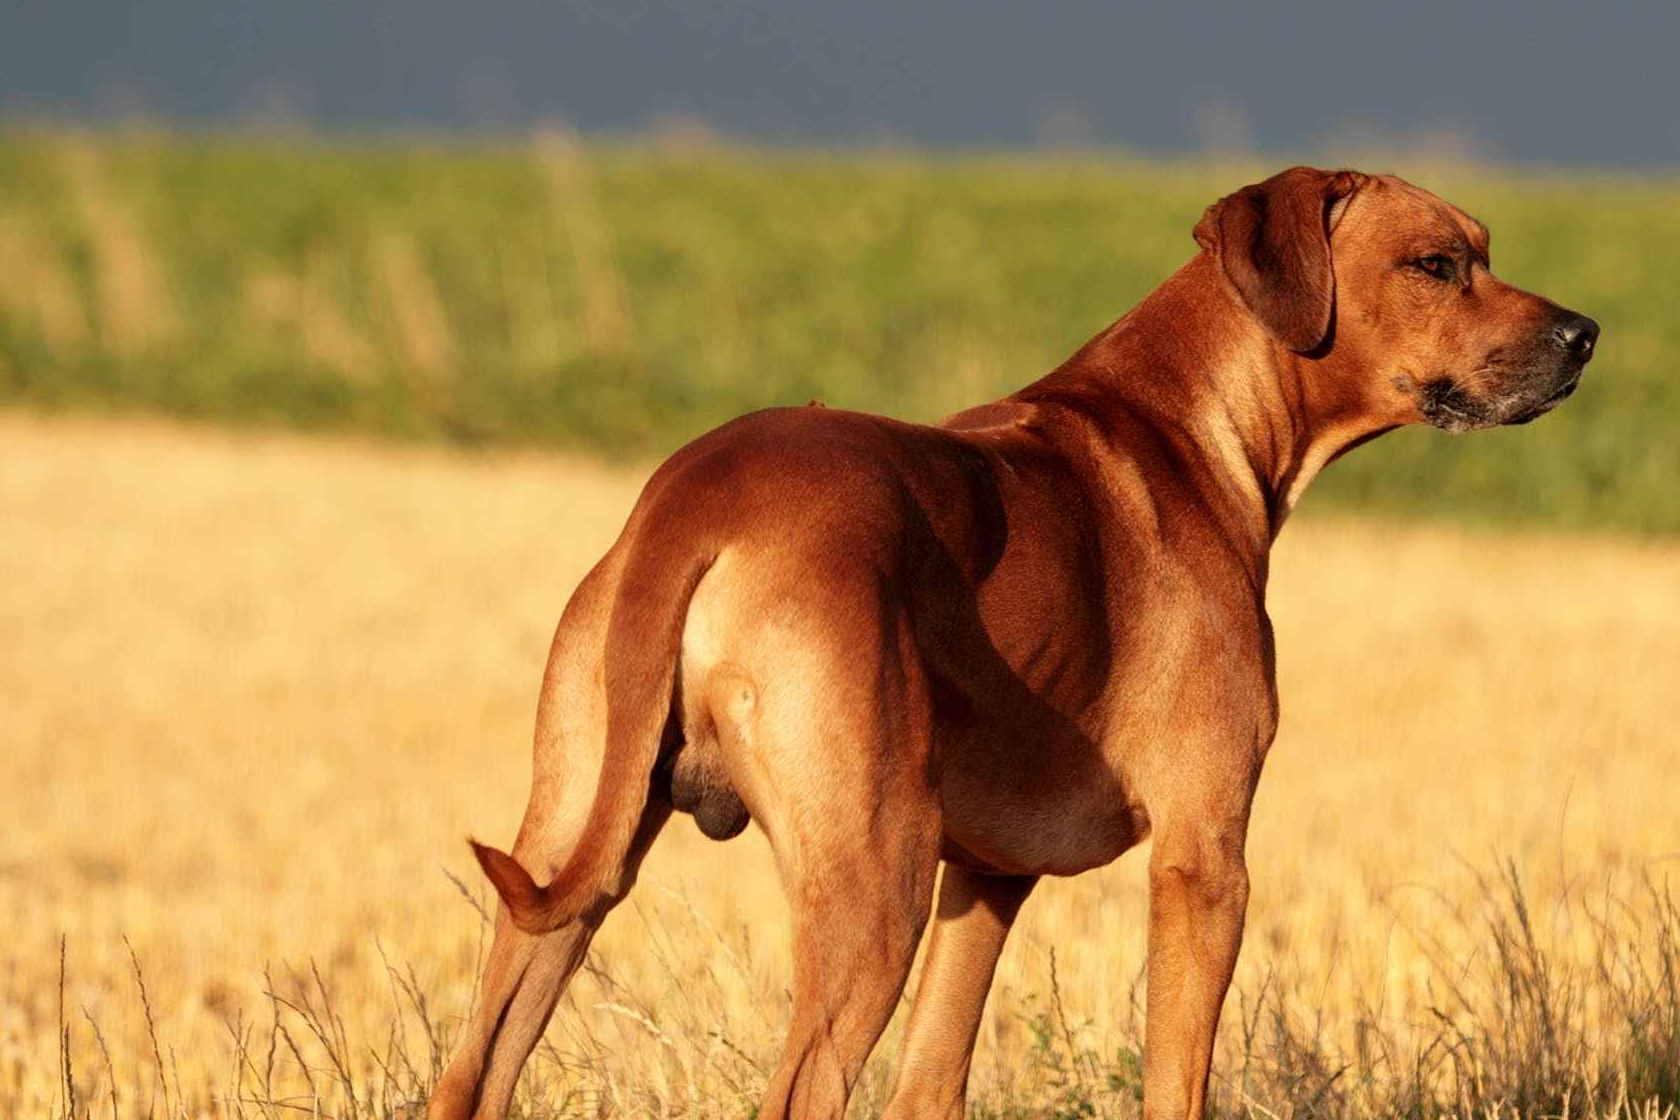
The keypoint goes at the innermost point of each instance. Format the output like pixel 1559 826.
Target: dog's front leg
pixel 1198 892
pixel 972 919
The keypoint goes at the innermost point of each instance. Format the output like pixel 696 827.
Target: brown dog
pixel 1018 642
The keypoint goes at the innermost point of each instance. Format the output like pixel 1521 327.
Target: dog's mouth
pixel 1449 406
pixel 1559 395
pixel 1445 403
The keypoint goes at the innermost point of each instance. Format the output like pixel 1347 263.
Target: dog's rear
pixel 644 638
pixel 606 714
pixel 654 693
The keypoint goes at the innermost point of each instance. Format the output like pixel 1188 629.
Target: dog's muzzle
pixel 1550 373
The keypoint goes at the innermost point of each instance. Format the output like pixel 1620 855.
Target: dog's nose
pixel 1578 334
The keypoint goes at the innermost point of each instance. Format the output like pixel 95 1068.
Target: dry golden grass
pixel 136 310
pixel 36 287
pixel 422 329
pixel 300 307
pixel 254 690
pixel 604 311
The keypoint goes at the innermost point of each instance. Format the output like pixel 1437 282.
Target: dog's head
pixel 1388 290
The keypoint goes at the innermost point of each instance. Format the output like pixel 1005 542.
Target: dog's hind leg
pixel 856 925
pixel 973 919
pixel 523 980
pixel 588 856
pixel 855 828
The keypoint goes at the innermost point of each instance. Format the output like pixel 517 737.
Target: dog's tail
pixel 643 648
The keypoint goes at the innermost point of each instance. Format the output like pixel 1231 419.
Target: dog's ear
pixel 1272 240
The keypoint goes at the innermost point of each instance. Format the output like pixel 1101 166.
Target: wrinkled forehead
pixel 1406 211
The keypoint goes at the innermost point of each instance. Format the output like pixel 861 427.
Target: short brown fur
pixel 1018 642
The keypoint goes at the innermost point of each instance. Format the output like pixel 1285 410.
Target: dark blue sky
pixel 1544 82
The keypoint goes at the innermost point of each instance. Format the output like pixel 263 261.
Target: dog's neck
pixel 1251 423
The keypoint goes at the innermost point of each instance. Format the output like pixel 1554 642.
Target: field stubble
pixel 257 688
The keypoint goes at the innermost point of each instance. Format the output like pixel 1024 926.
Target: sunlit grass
pixel 255 689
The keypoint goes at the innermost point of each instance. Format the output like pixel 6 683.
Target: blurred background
pixel 610 227
pixel 336 340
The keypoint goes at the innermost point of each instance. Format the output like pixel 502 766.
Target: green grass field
pixel 626 299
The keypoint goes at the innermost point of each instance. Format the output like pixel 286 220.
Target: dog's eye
pixel 1438 266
